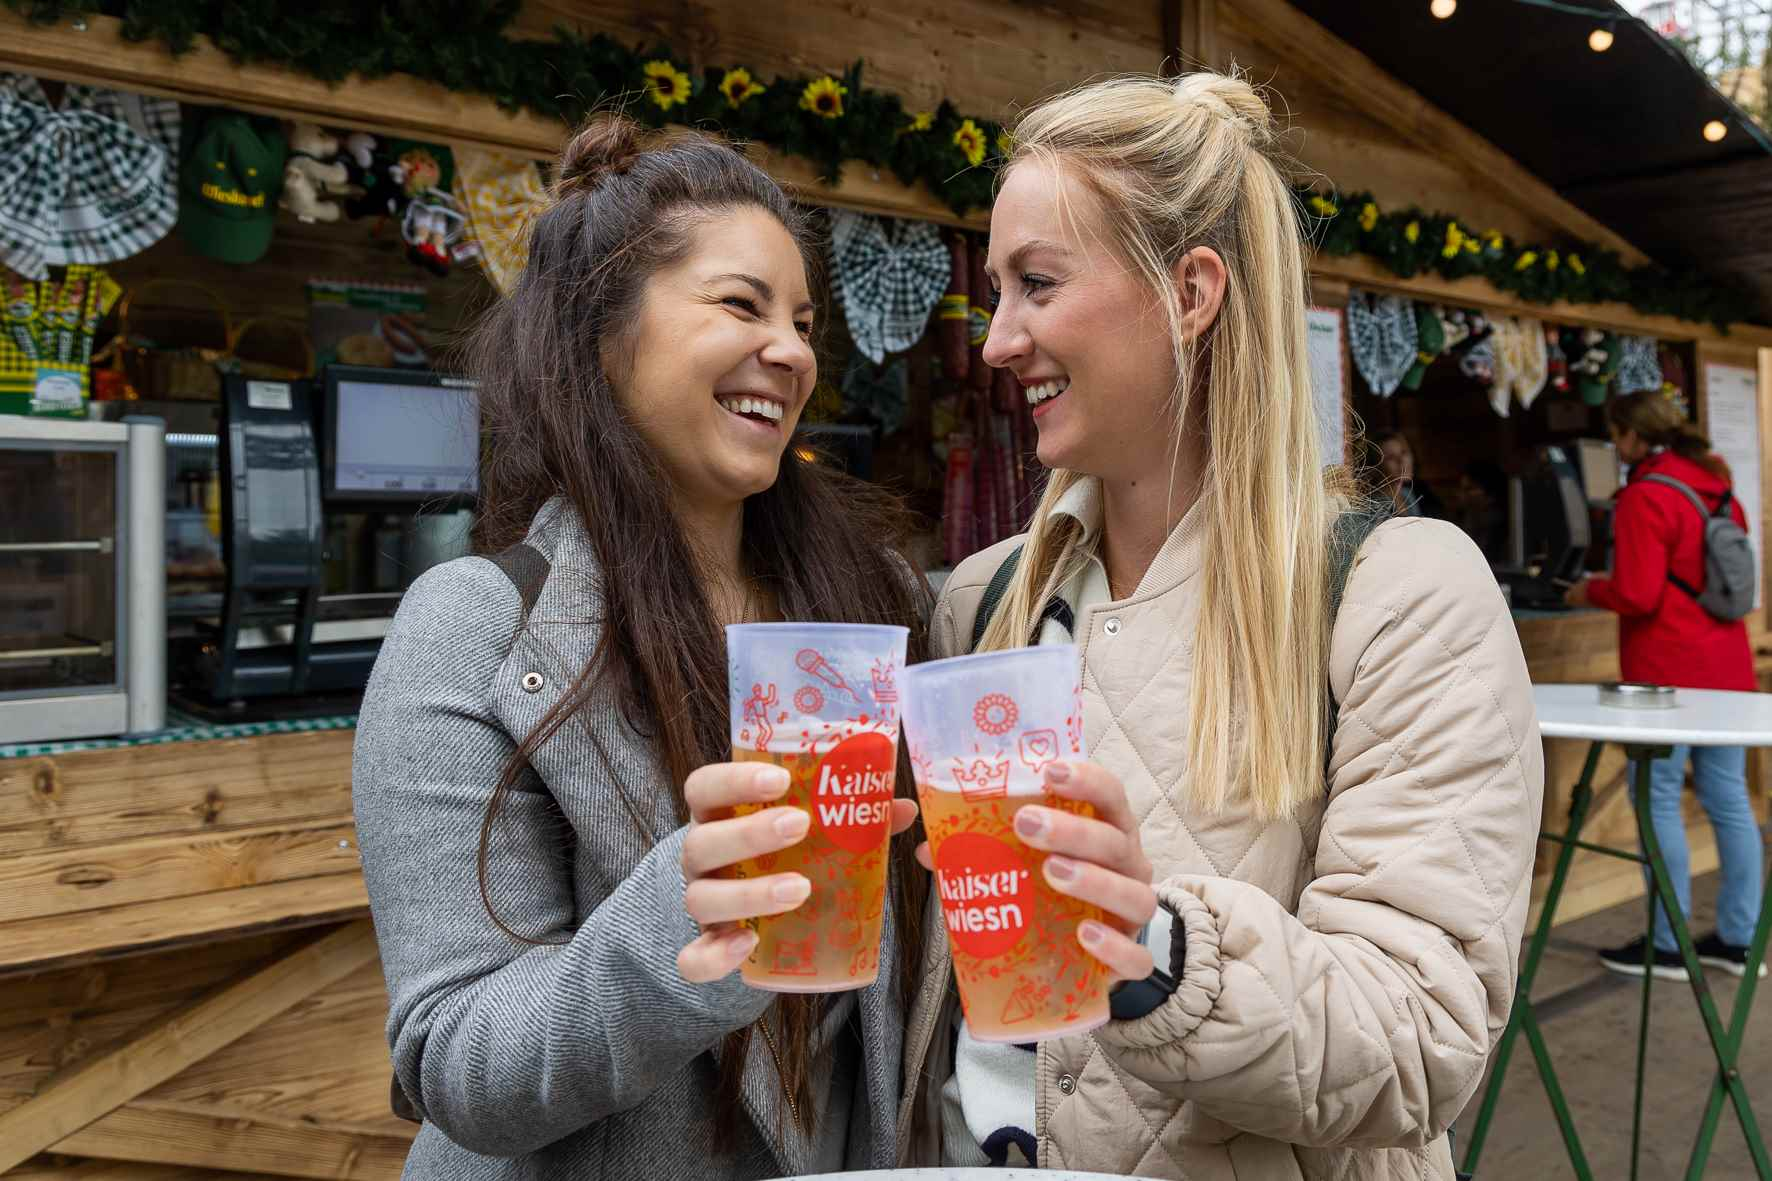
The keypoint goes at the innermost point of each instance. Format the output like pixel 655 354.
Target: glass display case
pixel 82 578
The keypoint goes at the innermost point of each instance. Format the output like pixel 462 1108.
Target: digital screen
pixel 406 440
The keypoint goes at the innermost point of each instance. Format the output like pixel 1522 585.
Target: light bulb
pixel 1443 8
pixel 1715 130
pixel 1600 40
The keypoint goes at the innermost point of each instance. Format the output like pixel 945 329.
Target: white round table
pixel 1699 717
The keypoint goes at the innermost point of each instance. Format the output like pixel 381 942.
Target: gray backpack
pixel 1728 592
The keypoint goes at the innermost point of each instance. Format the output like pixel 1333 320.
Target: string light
pixel 1715 130
pixel 1600 40
pixel 1443 8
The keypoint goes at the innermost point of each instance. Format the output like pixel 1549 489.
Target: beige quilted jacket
pixel 1347 969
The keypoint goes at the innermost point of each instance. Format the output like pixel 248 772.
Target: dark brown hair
pixel 821 546
pixel 1659 422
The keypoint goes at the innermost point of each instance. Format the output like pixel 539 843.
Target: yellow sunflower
pixel 1525 260
pixel 667 85
pixel 824 97
pixel 1576 265
pixel 1323 206
pixel 1551 261
pixel 1455 240
pixel 970 140
pixel 1412 231
pixel 1368 216
pixel 738 86
pixel 921 121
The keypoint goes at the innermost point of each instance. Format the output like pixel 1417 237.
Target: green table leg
pixel 1721 1043
pixel 1641 759
pixel 1744 1001
pixel 1522 1017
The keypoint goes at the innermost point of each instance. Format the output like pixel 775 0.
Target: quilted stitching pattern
pixel 1331 1054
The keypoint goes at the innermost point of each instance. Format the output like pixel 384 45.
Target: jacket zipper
pixel 780 1073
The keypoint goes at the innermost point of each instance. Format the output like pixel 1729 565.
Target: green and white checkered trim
pixel 182 728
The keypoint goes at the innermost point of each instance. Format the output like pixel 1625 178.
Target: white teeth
pixel 1049 389
pixel 762 407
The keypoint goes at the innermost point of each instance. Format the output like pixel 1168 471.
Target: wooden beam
pixel 1190 35
pixel 133 1133
pixel 71 1101
pixel 1477 292
pixel 65 882
pixel 97 797
pixel 50 1168
pixel 1302 42
pixel 399 105
pixel 36 945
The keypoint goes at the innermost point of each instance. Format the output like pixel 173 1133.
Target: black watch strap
pixel 1132 999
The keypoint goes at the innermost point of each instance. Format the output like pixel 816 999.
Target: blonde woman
pixel 1335 802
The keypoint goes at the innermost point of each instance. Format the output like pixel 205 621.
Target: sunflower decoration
pixel 970 140
pixel 1322 206
pixel 666 84
pixel 739 87
pixel 824 97
pixel 1368 216
pixel 921 121
pixel 1005 144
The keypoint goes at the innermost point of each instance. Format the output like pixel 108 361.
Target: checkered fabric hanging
pixel 889 275
pixel 501 194
pixel 92 181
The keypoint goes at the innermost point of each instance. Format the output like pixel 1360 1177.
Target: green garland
pixel 1409 242
pixel 826 119
pixel 465 47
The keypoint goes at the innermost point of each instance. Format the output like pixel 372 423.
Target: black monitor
pixel 1550 521
pixel 400 436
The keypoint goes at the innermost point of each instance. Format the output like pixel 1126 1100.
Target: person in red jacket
pixel 1666 638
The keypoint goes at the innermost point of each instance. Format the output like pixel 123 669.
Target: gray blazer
pixel 590 1058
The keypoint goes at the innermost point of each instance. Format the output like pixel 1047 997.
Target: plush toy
pixel 301 196
pixel 431 225
pixel 313 178
pixel 359 149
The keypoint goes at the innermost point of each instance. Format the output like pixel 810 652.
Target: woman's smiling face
pixel 1084 335
pixel 719 362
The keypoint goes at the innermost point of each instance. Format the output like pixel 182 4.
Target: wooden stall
pixel 188 980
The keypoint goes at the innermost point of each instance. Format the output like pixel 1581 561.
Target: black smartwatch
pixel 1131 999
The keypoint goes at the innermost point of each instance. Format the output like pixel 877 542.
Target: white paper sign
pixel 268 395
pixel 1323 347
pixel 1733 400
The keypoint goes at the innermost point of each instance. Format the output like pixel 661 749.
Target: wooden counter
pixel 188 980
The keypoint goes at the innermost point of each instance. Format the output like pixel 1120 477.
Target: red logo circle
pixel 987 894
pixel 852 796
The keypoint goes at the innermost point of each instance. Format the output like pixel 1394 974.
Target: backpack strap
pixel 993 596
pixel 1704 515
pixel 527 569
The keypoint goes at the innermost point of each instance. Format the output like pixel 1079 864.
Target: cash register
pixel 335 494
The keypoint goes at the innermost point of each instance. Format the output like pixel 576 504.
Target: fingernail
pixel 791 891
pixel 1090 934
pixel 1058 773
pixel 773 780
pixel 1061 869
pixel 792 824
pixel 1031 822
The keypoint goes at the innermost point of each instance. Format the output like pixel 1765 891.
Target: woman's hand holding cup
pixel 717 840
pixel 1097 860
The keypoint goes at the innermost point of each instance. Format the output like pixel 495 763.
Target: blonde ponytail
pixel 1174 165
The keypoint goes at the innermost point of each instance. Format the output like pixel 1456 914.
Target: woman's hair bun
pixel 607 145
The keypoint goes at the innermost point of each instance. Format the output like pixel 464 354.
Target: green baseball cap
pixel 1430 342
pixel 229 184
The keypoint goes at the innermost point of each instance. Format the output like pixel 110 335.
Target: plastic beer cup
pixel 981 730
pixel 822 701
